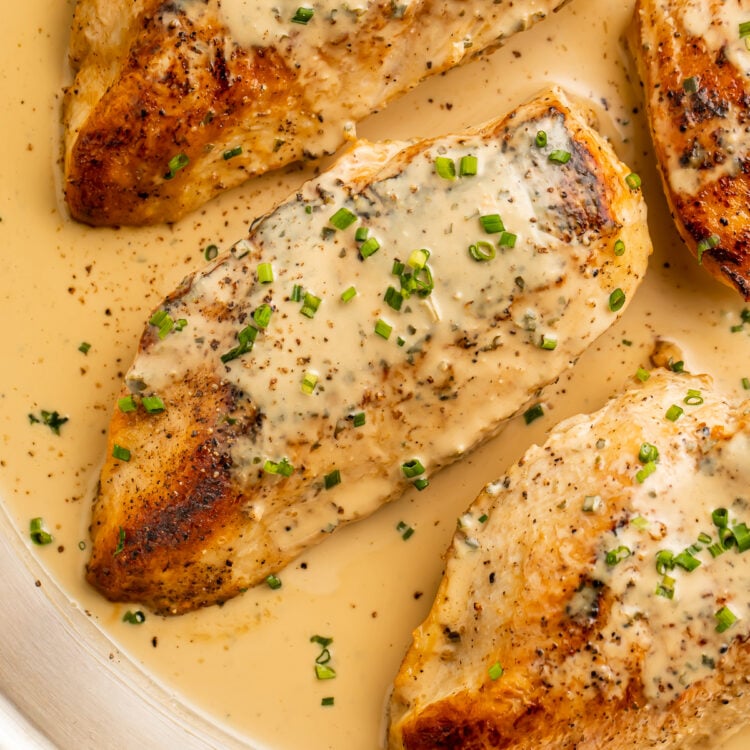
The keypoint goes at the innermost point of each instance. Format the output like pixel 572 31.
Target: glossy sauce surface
pixel 250 665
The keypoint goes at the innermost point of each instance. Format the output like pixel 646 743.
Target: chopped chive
pixel 725 618
pixel 327 701
pixel 246 337
pixel 619 247
pixel 52 419
pixel 687 561
pixel 265 273
pixel 693 398
pixel 665 587
pixel 296 295
pixel 708 243
pixel 533 413
pixel 360 234
pixel 405 530
pixel 310 305
pixel 421 483
pixel 468 166
pixel 746 383
pixel 664 561
pixel 482 251
pixel 412 468
pixel 418 258
pixel 230 153
pixel 383 329
pixel 617 555
pixel 648 452
pixel 120 453
pixel 648 469
pixel 541 139
pixel 368 247
pixel 720 517
pixel 262 316
pixel 744 29
pixel 348 294
pixel 273 582
pixel 559 156
pixel 445 167
pixel 153 404
pixel 309 381
pixel 332 479
pixel 642 374
pixel 495 671
pixel 175 164
pixel 38 533
pixel 283 467
pixel 358 419
pixel 674 413
pixel 616 300
pixel 126 404
pixel 324 672
pixel 120 546
pixel 84 347
pixel 343 218
pixel 741 536
pixel 548 342
pixel 302 15
pixel 507 239
pixel 492 223
pixel 633 181
pixel 210 252
pixel 134 618
pixel 393 298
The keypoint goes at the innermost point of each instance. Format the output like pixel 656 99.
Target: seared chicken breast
pixel 175 101
pixel 596 596
pixel 693 59
pixel 373 328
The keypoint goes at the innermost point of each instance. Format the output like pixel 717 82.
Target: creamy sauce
pixel 64 284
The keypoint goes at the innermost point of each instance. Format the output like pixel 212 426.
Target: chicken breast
pixel 693 59
pixel 175 101
pixel 373 328
pixel 597 595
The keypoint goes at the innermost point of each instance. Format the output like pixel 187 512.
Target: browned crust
pixel 690 124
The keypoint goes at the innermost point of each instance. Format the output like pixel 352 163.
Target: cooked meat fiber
pixel 176 101
pixel 596 596
pixel 373 328
pixel 693 61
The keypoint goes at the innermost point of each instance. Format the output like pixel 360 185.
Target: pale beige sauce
pixel 60 280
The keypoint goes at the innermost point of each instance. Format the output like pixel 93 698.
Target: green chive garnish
pixel 693 398
pixel 175 164
pixel 246 338
pixel 468 166
pixel 343 218
pixel 120 453
pixel 617 555
pixel 327 701
pixel 262 316
pixel 674 413
pixel 283 467
pixel 383 329
pixel 548 342
pixel 445 167
pixel 358 419
pixel 210 252
pixel 310 305
pixel 265 273
pixel 507 239
pixel 495 671
pixel 303 15
pixel 332 479
pixel 134 618
pixel 126 404
pixel 232 152
pixel 405 530
pixel 368 247
pixel 273 582
pixel 533 413
pixel 492 223
pixel 648 452
pixel 348 294
pixel 725 618
pixel 412 468
pixel 646 471
pixel 152 404
pixel 616 300
pixel 38 533
pixel 541 139
pixel 633 181
pixel 84 347
pixel 482 251
pixel 619 247
pixel 309 381
pixel 642 374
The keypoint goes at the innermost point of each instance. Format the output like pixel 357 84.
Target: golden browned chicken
pixel 693 60
pixel 373 328
pixel 175 101
pixel 597 596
